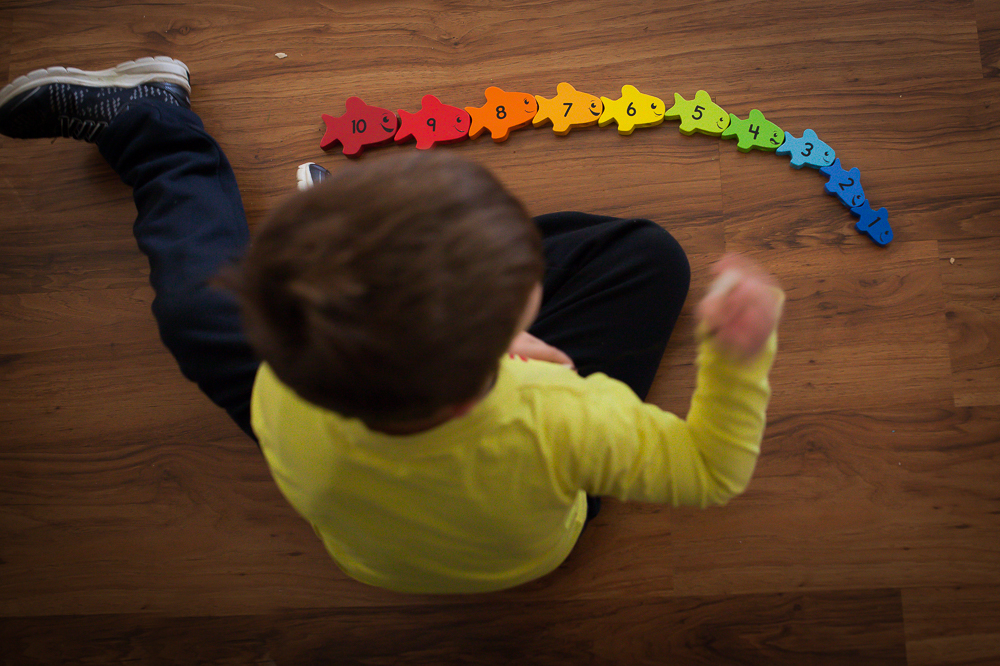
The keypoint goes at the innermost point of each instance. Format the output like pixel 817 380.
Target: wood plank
pixel 973 316
pixel 137 523
pixel 952 625
pixel 855 498
pixel 988 28
pixel 862 627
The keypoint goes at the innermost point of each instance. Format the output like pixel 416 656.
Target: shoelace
pixel 86 130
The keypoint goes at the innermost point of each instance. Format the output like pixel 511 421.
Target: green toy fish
pixel 754 132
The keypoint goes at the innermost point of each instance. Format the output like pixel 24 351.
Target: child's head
pixel 391 290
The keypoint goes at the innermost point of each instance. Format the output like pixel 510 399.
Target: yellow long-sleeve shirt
pixel 497 497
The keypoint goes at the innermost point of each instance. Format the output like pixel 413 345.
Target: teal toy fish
pixel 807 151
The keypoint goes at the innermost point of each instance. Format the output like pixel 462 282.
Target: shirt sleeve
pixel 618 446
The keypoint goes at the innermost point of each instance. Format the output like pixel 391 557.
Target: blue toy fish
pixel 845 185
pixel 807 151
pixel 874 223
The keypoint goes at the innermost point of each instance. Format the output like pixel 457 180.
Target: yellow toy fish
pixel 568 109
pixel 634 109
pixel 700 114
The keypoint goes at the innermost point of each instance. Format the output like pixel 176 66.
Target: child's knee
pixel 661 255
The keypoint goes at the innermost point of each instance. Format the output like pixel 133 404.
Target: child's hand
pixel 742 307
pixel 526 345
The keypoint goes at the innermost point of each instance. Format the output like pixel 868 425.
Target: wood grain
pixel 137 524
pixel 973 317
pixel 988 28
pixel 952 625
pixel 815 628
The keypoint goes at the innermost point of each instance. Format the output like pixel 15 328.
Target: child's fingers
pixel 745 265
pixel 730 293
pixel 714 301
pixel 528 346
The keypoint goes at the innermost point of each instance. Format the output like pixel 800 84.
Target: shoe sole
pixel 161 69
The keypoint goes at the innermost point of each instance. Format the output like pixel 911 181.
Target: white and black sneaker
pixel 70 102
pixel 309 174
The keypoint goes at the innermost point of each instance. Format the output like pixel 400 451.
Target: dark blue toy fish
pixel 846 185
pixel 874 223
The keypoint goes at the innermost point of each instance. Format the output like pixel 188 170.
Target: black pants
pixel 613 288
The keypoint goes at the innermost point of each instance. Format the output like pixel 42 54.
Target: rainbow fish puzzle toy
pixel 363 126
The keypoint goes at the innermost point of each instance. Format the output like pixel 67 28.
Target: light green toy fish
pixel 634 109
pixel 698 115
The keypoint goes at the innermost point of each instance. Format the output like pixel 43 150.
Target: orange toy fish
pixel 503 112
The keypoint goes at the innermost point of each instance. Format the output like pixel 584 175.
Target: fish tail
pixel 476 125
pixel 673 112
pixel 608 114
pixel 331 134
pixel 542 115
pixel 405 130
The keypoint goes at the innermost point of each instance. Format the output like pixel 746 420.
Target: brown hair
pixel 392 289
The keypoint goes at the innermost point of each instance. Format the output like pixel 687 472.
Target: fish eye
pixel 653 106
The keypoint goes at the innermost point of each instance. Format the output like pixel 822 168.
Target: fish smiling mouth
pixel 774 141
pixel 387 129
pixel 595 113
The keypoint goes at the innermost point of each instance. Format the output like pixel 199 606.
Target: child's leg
pixel 613 291
pixel 190 222
pixel 190 219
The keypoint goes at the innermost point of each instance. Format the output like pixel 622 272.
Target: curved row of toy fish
pixel 363 125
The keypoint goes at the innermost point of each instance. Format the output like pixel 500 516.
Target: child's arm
pixel 631 450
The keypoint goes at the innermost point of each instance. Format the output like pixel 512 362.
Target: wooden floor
pixel 137 525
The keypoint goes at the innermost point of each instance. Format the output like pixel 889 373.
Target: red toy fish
pixel 361 126
pixel 434 123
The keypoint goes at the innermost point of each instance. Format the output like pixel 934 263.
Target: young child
pixel 447 385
